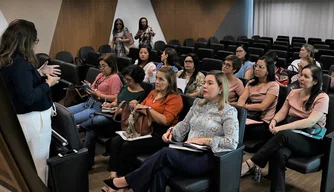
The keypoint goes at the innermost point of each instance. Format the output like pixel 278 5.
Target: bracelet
pixel 209 140
pixel 274 120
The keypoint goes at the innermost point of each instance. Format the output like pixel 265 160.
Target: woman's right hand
pixel 272 124
pixel 86 82
pixel 150 72
pixel 106 105
pixel 51 80
pixel 167 137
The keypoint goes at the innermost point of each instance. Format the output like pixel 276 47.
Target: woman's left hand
pixel 199 141
pixel 140 106
pixel 92 92
pixel 275 130
pixel 118 40
pixel 52 70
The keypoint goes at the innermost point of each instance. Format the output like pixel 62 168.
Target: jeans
pixel 83 111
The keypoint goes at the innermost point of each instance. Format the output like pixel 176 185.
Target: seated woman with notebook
pixel 164 104
pixel 210 121
pixel 305 107
pixel 98 125
pixel 194 78
pixel 260 99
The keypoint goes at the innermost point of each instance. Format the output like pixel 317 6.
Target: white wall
pixel 130 11
pixel 3 23
pixel 43 13
pixel 305 18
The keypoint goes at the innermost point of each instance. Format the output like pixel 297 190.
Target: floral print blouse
pixel 208 121
pixel 196 85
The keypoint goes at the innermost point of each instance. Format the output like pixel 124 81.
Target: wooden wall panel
pixel 181 19
pixel 83 23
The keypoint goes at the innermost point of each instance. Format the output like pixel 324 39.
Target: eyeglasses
pixel 36 41
pixel 188 61
pixel 227 66
pixel 239 51
pixel 261 67
pixel 128 79
pixel 103 66
pixel 118 23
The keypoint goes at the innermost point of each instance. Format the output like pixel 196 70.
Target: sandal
pixel 257 174
pixel 105 188
pixel 250 170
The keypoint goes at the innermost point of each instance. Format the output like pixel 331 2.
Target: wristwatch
pixel 149 108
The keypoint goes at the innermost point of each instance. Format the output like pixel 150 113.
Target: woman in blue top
pixel 246 71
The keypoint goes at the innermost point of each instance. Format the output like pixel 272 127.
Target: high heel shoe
pixel 250 170
pixel 110 183
pixel 257 174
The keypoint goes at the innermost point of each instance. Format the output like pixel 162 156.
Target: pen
pixel 105 99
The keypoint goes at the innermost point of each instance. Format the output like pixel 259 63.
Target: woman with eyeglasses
pixel 121 36
pixel 144 33
pixel 194 78
pixel 260 99
pixel 105 87
pixel 303 108
pixel 145 61
pixel 232 65
pixel 246 70
pixel 210 121
pixel 98 125
pixel 29 93
pixel 306 50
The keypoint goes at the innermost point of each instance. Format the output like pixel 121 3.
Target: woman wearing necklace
pixel 106 86
pixel 145 62
pixel 165 104
pixel 260 98
pixel 194 78
pixel 304 107
pixel 121 35
pixel 232 65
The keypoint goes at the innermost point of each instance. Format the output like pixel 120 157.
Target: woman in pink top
pixel 308 104
pixel 106 86
pixel 260 97
pixel 232 65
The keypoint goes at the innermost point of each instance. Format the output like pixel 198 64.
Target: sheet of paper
pixel 181 84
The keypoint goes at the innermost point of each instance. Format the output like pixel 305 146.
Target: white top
pixel 148 66
pixel 294 65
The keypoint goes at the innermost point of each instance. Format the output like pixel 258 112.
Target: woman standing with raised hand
pixel 30 94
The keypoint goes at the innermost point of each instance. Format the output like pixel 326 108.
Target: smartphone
pixel 67 153
pixel 86 86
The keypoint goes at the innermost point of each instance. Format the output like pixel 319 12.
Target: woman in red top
pixel 165 104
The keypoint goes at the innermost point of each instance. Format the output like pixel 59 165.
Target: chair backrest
pixel 105 49
pixel 159 45
pixel 330 115
pixel 92 58
pixel 223 54
pixel 242 115
pixel 186 50
pixel 65 56
pixel 216 46
pixel 190 42
pixel 92 74
pixel 123 62
pixel 213 40
pixel 280 53
pixel 64 124
pixel 283 93
pixel 280 47
pixel 229 38
pixel 204 53
pixel 83 52
pixel 253 57
pixel 202 40
pixel 241 37
pixel 200 45
pixel 209 64
pixel 327 61
pixel 256 51
pixel 69 71
pixel 42 58
pixel 326 82
pixel 244 81
pixel 148 87
pixel 321 46
pixel 187 103
pixel 174 42
pixel 231 48
pixel 155 56
pixel 286 43
pixel 134 53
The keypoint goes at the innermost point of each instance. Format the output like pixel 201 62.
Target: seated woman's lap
pixel 257 132
pixel 101 123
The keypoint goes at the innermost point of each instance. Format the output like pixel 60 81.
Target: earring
pixel 219 93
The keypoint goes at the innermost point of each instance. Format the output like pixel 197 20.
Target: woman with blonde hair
pixel 210 121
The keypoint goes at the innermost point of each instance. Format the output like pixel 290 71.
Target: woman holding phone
pixel 145 33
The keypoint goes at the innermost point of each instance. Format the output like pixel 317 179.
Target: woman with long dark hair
pixel 145 33
pixel 30 94
pixel 121 36
pixel 303 108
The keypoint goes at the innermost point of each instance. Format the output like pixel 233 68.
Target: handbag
pixel 254 115
pixel 134 122
pixel 315 132
pixel 127 46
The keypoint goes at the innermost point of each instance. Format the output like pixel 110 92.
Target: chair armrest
pixel 328 164
pixel 228 170
pixel 66 82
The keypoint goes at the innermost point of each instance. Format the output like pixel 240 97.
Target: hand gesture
pixel 92 92
pixel 52 70
pixel 51 80
pixel 272 124
pixel 167 137
pixel 150 72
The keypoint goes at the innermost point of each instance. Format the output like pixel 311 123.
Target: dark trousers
pixel 98 126
pixel 154 173
pixel 257 132
pixel 123 153
pixel 278 150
